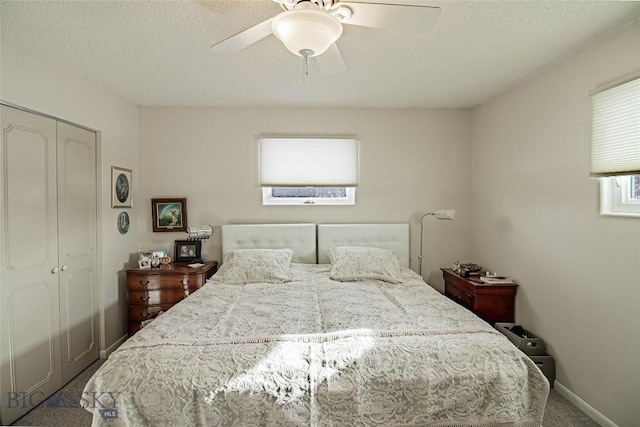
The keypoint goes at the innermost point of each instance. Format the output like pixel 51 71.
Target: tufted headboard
pixel 299 237
pixel 388 236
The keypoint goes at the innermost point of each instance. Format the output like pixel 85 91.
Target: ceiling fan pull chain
pixel 305 65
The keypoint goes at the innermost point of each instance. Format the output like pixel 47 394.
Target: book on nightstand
pixel 497 280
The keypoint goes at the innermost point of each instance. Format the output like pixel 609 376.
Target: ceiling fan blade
pixel 331 62
pixel 245 38
pixel 412 19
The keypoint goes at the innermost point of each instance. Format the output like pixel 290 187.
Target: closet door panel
pixel 78 319
pixel 33 358
pixel 29 286
pixel 30 194
pixel 77 248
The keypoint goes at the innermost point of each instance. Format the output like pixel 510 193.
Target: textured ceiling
pixel 158 52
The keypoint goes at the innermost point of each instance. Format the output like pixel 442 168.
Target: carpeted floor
pixel 61 409
pixel 562 413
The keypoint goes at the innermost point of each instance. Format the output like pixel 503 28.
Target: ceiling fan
pixel 310 28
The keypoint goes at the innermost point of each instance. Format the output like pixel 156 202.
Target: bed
pixel 276 339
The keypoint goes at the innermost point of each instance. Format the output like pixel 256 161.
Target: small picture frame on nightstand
pixel 187 250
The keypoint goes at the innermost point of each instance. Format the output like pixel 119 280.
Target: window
pixel 308 196
pixel 615 147
pixel 620 195
pixel 308 171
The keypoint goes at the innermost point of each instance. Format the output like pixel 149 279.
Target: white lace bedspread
pixel 314 352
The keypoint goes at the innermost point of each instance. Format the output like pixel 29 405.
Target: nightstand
pixel 158 289
pixel 493 303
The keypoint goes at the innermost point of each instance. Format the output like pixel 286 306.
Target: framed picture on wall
pixel 169 214
pixel 121 196
pixel 123 222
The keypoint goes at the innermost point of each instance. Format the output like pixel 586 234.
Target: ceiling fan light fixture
pixel 306 29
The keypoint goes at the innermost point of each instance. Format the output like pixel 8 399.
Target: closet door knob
pixel 54 270
pixel 63 268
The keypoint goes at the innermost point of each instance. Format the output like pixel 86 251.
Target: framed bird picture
pixel 169 214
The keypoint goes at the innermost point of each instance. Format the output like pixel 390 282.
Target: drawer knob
pixel 144 315
pixel 145 298
pixel 144 282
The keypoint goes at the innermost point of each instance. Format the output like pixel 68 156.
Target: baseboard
pixel 592 412
pixel 105 353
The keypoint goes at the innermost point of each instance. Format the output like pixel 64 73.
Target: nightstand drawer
pixel 458 295
pixel 139 314
pixel 164 296
pixel 150 282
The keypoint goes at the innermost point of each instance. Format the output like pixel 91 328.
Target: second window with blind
pixel 308 170
pixel 615 147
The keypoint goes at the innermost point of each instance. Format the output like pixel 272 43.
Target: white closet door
pixel 77 248
pixel 29 294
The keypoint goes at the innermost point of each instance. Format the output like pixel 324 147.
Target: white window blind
pixel 615 133
pixel 317 162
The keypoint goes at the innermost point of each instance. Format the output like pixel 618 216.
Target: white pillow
pixel 255 266
pixel 354 263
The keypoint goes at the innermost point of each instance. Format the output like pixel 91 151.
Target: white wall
pixel 412 161
pixel 34 83
pixel 535 216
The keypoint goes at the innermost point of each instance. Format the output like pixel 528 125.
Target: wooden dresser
pixel 158 289
pixel 493 303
